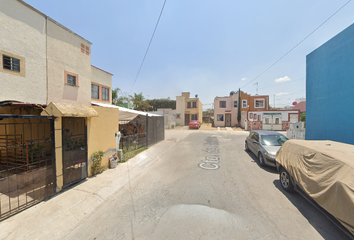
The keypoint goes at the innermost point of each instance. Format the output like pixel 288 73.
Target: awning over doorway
pixel 125 114
pixel 69 110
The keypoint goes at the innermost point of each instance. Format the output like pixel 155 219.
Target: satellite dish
pixel 196 95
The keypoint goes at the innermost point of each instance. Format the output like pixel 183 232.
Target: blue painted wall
pixel 330 90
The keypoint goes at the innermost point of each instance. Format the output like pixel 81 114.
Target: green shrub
pixel 96 162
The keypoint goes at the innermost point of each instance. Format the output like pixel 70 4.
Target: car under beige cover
pixel 325 171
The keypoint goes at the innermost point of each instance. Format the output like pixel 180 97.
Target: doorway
pixel 227 120
pixel 74 149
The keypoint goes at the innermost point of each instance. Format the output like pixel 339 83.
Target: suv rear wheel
pixel 285 181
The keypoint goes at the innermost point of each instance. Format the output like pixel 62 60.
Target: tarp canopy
pixel 125 114
pixel 69 110
pixel 325 171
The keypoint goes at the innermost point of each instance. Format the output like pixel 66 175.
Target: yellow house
pixel 188 109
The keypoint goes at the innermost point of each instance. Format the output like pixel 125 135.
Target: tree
pixel 118 97
pixel 139 102
pixel 239 107
pixel 115 95
pixel 303 117
pixel 162 103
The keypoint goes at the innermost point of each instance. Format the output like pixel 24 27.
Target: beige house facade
pixel 48 86
pixel 188 109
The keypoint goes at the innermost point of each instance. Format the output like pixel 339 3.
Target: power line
pixel 147 50
pixel 297 44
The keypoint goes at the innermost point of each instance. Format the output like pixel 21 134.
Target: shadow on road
pixel 255 160
pixel 319 222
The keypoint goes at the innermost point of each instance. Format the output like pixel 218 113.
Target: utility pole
pixel 274 101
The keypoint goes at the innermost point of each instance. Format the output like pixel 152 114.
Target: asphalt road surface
pixel 206 187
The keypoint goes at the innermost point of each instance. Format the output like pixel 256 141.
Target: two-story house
pixel 226 108
pixel 188 109
pixel 48 126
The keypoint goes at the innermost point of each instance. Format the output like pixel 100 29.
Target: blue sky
pixel 204 47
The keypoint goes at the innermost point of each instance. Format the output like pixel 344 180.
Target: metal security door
pixel 74 150
pixel 186 119
pixel 227 120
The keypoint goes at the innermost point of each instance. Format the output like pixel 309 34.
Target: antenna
pixel 256 88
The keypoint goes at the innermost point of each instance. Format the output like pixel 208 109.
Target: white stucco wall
pixel 64 54
pixel 23 36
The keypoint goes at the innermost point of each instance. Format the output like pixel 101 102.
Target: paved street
pixel 178 198
pixel 194 185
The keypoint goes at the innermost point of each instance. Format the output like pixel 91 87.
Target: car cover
pixel 325 171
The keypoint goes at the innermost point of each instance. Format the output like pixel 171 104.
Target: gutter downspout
pixel 46 57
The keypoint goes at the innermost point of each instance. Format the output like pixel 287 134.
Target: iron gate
pixel 27 169
pixel 74 150
pixel 140 132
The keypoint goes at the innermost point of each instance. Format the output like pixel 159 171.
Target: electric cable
pixel 147 50
pixel 297 44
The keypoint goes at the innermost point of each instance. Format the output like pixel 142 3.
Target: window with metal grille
pixel 105 94
pixel 11 63
pixel 95 91
pixel 235 103
pixel 244 103
pixel 222 104
pixel 220 117
pixel 194 117
pixel 71 80
pixel 188 104
pixel 259 103
pixel 194 105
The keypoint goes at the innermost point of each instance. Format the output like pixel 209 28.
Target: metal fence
pixel 140 132
pixel 26 162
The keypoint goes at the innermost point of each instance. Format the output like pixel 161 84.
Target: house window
pixel 266 120
pixel 71 80
pixel 222 104
pixel 188 104
pixel 259 117
pixel 244 103
pixel 194 116
pixel 194 106
pixel 105 94
pixel 178 115
pixel 11 63
pixel 235 104
pixel 277 121
pixel 220 117
pixel 95 91
pixel 255 117
pixel 251 115
pixel 259 103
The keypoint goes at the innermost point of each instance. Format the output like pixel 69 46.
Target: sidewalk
pixel 56 217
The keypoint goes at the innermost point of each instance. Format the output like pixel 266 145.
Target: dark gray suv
pixel 265 144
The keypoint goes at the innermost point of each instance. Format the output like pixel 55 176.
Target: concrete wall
pixel 102 79
pixel 23 36
pixel 180 109
pixel 66 55
pixel 101 134
pixel 329 89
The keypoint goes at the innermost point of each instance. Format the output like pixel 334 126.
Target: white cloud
pixel 284 79
pixel 281 94
pixel 243 79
